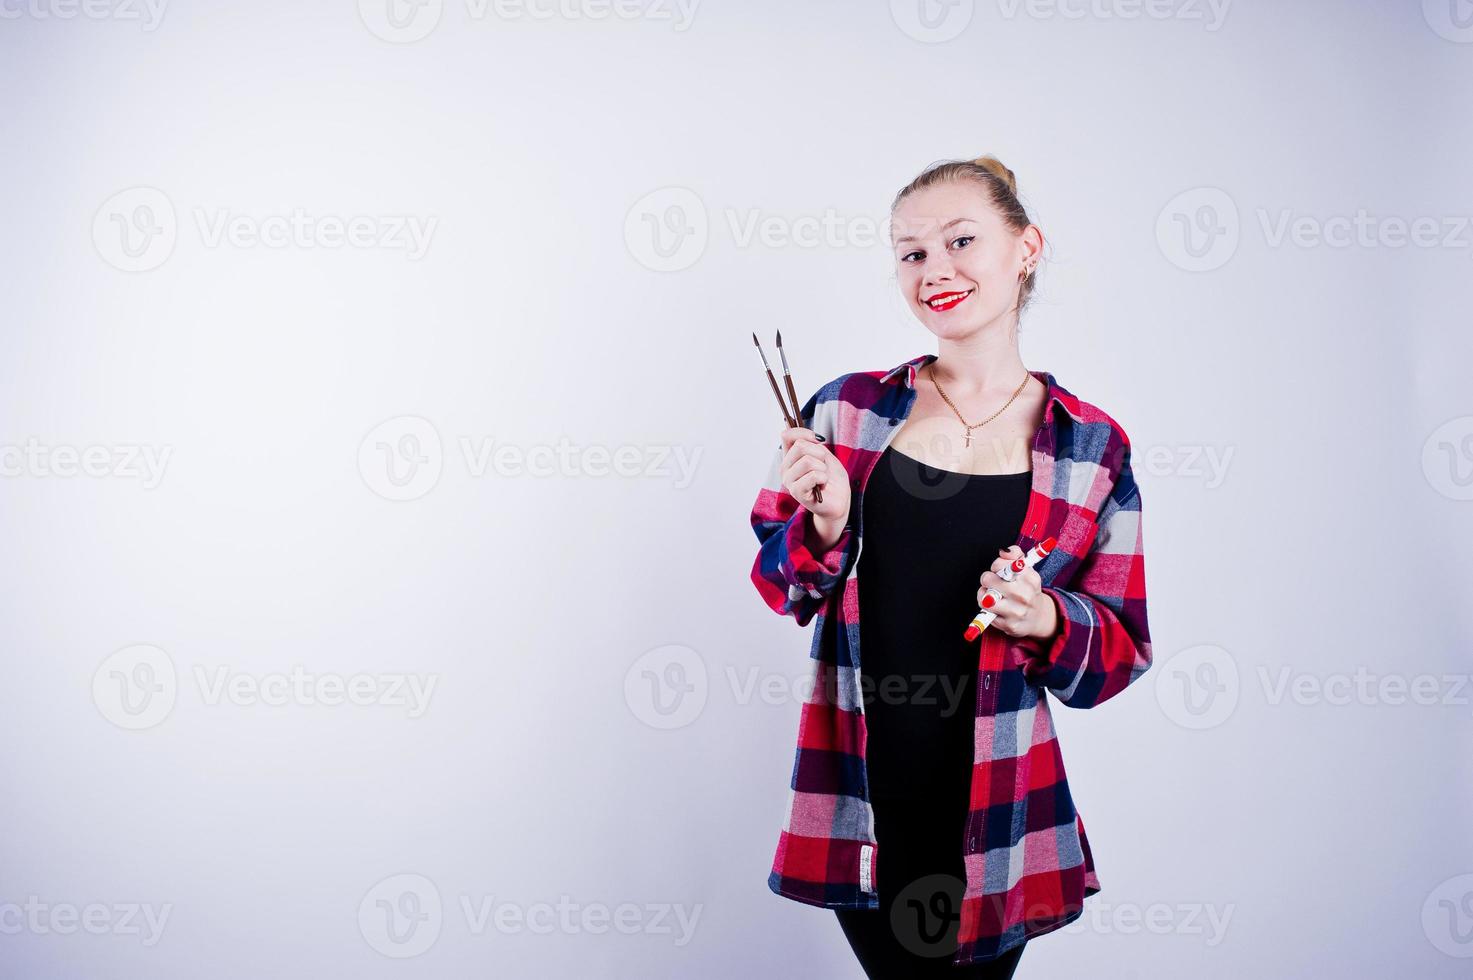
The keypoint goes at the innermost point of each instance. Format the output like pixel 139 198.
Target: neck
pixel 978 365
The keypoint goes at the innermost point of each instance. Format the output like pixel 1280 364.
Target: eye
pixel 905 257
pixel 964 238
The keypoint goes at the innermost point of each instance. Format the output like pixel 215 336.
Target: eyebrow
pixel 953 221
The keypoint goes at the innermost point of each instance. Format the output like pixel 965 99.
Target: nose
pixel 938 269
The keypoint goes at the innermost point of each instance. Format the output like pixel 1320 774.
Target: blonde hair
pixel 1001 187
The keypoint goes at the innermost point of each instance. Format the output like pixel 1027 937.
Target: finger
pixel 795 433
pixel 806 479
pixel 1003 567
pixel 1011 602
pixel 803 447
pixel 1010 614
pixel 799 433
pixel 806 471
pixel 1005 590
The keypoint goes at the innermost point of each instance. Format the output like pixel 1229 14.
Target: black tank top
pixel 928 536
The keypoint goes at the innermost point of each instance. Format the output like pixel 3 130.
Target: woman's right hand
pixel 807 463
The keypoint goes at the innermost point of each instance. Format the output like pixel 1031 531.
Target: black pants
pixel 913 933
pixel 885 957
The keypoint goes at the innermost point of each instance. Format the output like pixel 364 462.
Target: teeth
pixel 947 299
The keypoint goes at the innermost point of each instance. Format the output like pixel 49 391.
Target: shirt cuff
pixel 816 574
pixel 1042 654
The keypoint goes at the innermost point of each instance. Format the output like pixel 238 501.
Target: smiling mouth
pixel 945 301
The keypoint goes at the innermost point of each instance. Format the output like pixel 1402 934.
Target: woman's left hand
pixel 1023 610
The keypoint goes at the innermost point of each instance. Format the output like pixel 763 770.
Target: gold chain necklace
pixel 975 425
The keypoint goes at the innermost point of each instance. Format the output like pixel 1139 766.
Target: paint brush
pixel 788 418
pixel 795 418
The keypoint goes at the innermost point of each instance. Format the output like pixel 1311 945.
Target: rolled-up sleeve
pixel 792 578
pixel 1103 642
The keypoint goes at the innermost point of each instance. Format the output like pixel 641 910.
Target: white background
pixel 1328 380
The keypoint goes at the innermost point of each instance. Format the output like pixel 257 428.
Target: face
pixel 956 261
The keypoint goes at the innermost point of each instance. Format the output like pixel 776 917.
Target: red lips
pixel 952 298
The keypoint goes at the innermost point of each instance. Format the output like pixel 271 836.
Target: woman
pixel 928 805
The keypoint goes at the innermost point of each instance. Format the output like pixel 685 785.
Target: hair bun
pixel 993 164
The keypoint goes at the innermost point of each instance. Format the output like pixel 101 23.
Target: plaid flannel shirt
pixel 1027 860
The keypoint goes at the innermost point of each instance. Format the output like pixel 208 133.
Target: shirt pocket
pixel 1075 537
